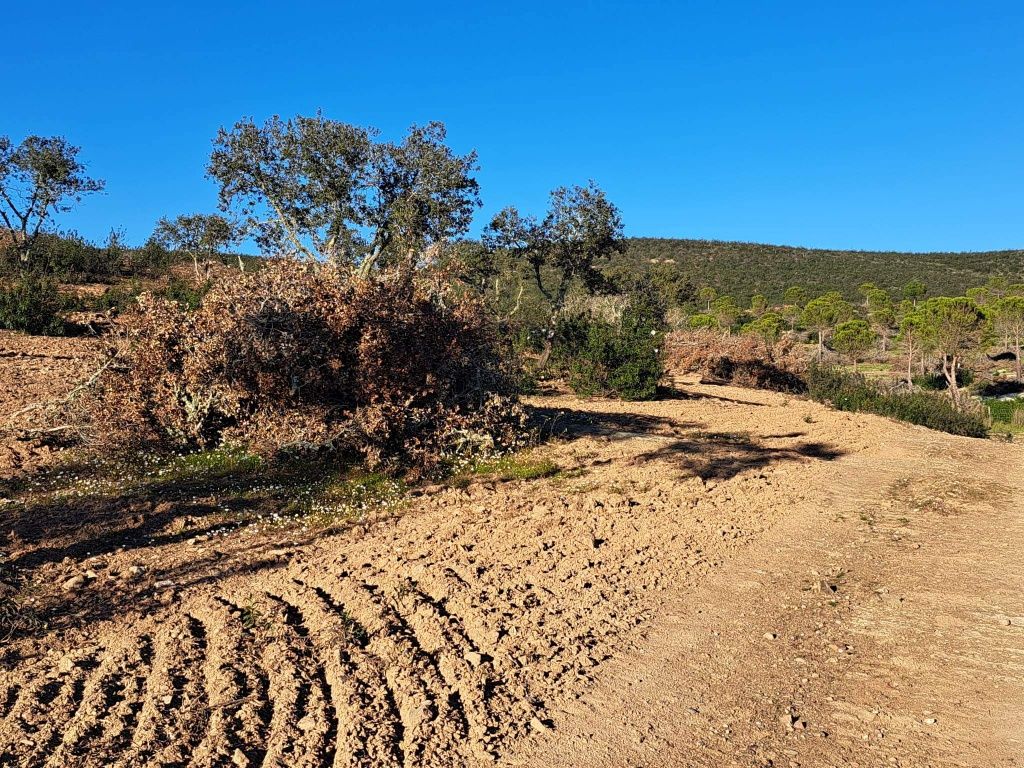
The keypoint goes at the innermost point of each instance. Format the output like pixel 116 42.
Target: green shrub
pixel 186 293
pixel 119 297
pixel 124 295
pixel 768 326
pixel 936 382
pixel 623 359
pixel 71 257
pixel 152 258
pixel 31 303
pixel 693 322
pixel 852 392
pixel 1003 410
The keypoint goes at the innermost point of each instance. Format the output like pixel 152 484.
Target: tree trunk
pixel 821 344
pixel 949 366
pixel 542 363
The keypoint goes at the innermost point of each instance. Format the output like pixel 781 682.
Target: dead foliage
pixel 746 360
pixel 303 357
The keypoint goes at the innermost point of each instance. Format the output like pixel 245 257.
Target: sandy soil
pixel 726 577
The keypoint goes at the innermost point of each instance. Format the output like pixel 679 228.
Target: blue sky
pixel 895 125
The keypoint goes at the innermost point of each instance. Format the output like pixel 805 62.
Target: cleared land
pixel 727 577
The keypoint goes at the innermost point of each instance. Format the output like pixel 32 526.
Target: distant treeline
pixel 745 269
pixel 70 257
pixel 740 270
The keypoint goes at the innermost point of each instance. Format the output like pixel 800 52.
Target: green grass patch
pixel 213 463
pixel 513 467
pixel 345 499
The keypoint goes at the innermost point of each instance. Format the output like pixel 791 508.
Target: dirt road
pixel 724 578
pixel 879 623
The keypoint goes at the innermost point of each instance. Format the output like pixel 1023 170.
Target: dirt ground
pixel 724 577
pixel 33 371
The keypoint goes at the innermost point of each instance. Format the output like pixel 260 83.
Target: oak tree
pixel 39 178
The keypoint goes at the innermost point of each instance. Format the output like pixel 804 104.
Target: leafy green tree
pixel 822 314
pixel 979 295
pixel 758 305
pixel 418 193
pixel 914 291
pixel 725 311
pixel 672 284
pixel 768 326
pixel 913 337
pixel 707 294
pixel 793 303
pixel 200 235
pixel 39 178
pixel 853 338
pixel 795 295
pixel 581 228
pixel 881 315
pixel 956 326
pixel 865 290
pixel 1009 321
pixel 319 188
pixel 472 264
pixel 696 322
pixel 997 287
pixel 877 298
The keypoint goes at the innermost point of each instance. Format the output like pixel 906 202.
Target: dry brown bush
pixel 308 357
pixel 746 360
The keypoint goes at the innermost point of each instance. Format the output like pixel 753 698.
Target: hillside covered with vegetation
pixel 743 270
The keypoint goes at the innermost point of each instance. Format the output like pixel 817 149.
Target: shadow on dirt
pixel 572 423
pixel 720 456
pixel 675 393
pixel 109 596
pixel 147 514
pixel 49 537
pixel 684 445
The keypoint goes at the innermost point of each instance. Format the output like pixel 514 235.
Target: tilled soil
pixel 720 578
pixel 33 372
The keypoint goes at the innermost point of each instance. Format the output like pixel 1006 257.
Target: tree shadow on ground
pixel 148 513
pixel 721 456
pixel 50 538
pixel 685 445
pixel 579 422
pixel 675 393
pixel 47 535
pixel 53 611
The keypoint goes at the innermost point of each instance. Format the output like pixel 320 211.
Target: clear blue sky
pixel 870 125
